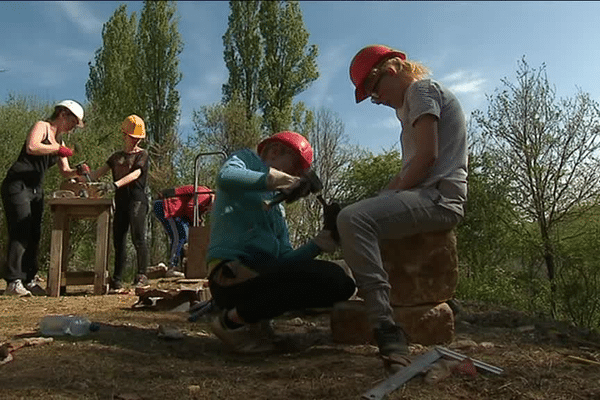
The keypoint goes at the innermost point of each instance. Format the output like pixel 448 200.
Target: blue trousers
pixel 177 230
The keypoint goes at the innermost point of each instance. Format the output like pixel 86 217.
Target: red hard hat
pixel 295 141
pixel 364 61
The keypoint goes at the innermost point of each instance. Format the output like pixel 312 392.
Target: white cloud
pixel 474 86
pixel 464 82
pixel 81 16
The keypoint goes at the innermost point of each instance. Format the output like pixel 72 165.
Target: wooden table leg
pixel 102 236
pixel 56 252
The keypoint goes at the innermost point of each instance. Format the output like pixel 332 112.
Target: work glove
pixel 64 151
pixel 83 169
pixel 278 180
pixel 330 213
pixel 325 241
pixel 301 188
pixel 106 187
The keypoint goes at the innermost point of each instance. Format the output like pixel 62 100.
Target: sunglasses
pixel 375 88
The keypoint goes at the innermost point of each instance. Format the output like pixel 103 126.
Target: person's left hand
pixel 325 241
pixel 106 187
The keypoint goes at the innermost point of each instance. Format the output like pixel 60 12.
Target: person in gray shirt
pixel 427 194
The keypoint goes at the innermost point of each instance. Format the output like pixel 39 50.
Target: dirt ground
pixel 127 359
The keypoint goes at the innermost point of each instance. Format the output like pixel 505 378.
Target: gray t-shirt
pixel 449 173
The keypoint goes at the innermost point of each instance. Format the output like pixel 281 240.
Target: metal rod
pixel 479 364
pixel 404 375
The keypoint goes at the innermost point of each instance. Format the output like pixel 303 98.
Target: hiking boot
pixel 16 288
pixel 141 280
pixel 36 289
pixel 246 339
pixel 393 346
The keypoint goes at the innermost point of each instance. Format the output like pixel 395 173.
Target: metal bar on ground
pixel 404 375
pixel 479 364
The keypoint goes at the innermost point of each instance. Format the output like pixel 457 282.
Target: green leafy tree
pixel 547 157
pixel 160 44
pixel 369 174
pixel 243 54
pixel 290 63
pixel 269 60
pixel 226 127
pixel 112 86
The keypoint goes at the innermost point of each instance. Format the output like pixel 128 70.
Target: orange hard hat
pixel 134 126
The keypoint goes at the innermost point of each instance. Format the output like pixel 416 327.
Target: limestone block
pixel 422 269
pixel 427 324
pixel 424 324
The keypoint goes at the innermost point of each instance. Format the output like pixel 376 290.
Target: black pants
pixel 128 214
pixel 291 287
pixel 23 207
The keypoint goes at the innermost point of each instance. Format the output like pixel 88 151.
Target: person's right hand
pixel 64 152
pixel 278 180
pixel 83 169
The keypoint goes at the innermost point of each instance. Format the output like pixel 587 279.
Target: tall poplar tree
pixel 269 59
pixel 136 70
pixel 111 88
pixel 160 44
pixel 290 63
pixel 243 54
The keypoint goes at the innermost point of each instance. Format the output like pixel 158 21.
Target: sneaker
pixel 16 288
pixel 141 280
pixel 244 340
pixel 36 289
pixel 173 273
pixel 393 346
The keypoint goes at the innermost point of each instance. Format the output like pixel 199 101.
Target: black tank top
pixel 29 168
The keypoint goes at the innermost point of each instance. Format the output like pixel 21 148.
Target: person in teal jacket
pixel 254 273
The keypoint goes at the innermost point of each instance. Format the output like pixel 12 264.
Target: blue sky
pixel 45 48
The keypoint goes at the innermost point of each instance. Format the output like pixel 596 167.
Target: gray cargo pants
pixel 391 215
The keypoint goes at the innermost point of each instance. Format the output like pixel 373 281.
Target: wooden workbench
pixel 63 209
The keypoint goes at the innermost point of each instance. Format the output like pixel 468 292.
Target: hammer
pixel 309 181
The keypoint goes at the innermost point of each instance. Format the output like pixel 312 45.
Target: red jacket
pixel 179 202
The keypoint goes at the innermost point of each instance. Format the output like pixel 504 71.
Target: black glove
pixel 302 189
pixel 106 187
pixel 330 213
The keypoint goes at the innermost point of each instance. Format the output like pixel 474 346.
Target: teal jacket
pixel 241 226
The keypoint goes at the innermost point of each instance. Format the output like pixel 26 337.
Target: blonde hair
pixel 413 69
pixel 410 68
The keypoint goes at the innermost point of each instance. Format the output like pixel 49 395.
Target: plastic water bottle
pixel 74 325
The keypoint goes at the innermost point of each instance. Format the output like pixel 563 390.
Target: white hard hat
pixel 75 108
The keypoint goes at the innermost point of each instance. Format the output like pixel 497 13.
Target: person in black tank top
pixel 129 171
pixel 23 197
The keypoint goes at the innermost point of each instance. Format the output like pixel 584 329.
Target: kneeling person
pixel 254 273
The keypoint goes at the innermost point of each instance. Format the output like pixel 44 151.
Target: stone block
pixel 427 324
pixel 422 269
pixel 424 324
